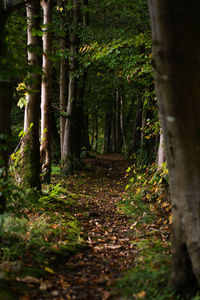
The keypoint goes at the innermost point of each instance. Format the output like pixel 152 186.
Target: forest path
pixel 90 273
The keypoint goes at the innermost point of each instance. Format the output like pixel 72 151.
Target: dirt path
pixel 90 274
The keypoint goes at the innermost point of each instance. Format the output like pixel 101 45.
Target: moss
pixel 26 166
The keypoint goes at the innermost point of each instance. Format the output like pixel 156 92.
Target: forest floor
pixel 110 243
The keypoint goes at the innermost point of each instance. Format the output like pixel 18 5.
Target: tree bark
pixel 107 128
pixel 122 122
pixel 31 146
pixel 137 128
pixel 67 153
pixel 45 149
pixel 161 151
pixel 96 136
pixel 176 48
pixel 64 77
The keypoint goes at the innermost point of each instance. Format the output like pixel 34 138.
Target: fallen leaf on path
pixel 25 297
pixel 54 293
pixel 106 295
pixel 47 269
pixel 45 285
pixel 28 279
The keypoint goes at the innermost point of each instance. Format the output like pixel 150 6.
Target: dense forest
pixel 99 149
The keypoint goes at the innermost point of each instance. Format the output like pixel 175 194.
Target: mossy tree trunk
pixel 30 169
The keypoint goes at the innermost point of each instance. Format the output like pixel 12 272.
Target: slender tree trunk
pixel 122 122
pixel 55 138
pixel 45 149
pixel 63 97
pixel 161 151
pixel 137 128
pixel 85 137
pixel 30 171
pixel 144 117
pixel 107 129
pixel 113 131
pixel 93 131
pixel 176 48
pixel 64 77
pixel 96 132
pixel 119 140
pixel 6 90
pixel 67 153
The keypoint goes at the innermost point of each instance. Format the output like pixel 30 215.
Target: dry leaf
pixel 140 295
pixel 28 279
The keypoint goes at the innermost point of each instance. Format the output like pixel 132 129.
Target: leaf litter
pixel 107 233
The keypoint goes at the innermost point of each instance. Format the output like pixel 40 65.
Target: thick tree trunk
pixel 176 48
pixel 5 107
pixel 45 149
pixel 30 174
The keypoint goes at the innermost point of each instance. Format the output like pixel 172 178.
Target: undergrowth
pixel 147 202
pixel 37 228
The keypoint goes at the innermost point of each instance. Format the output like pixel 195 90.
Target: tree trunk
pixel 107 129
pixel 137 128
pixel 85 135
pixel 45 149
pixel 67 153
pixel 119 140
pixel 5 106
pixel 64 78
pixel 161 151
pixel 96 132
pixel 55 138
pixel 176 48
pixel 31 145
pixel 122 122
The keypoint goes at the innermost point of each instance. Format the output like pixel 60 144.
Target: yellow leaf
pixel 140 295
pixel 170 219
pixel 49 270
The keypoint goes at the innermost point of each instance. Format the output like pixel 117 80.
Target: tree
pixel 31 145
pixel 176 48
pixel 64 69
pixel 67 152
pixel 6 90
pixel 45 149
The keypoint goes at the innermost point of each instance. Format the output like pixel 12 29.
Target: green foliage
pixel 150 184
pixel 44 227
